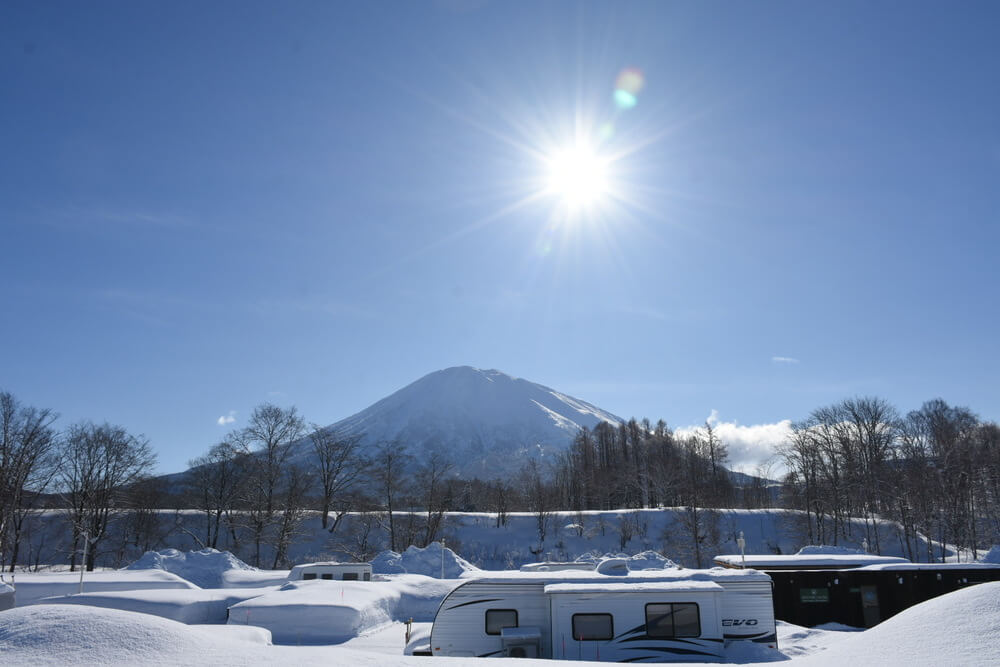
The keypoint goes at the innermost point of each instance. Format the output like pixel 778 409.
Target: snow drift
pixel 203 568
pixel 72 635
pixel 426 561
pixel 960 628
pixel 331 612
pixel 32 587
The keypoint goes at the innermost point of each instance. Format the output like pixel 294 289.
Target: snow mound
pixel 193 605
pixel 426 561
pixel 35 586
pixel 70 635
pixel 960 628
pixel 332 612
pixel 993 555
pixel 649 560
pixel 203 568
pixel 646 560
pixel 6 596
pixel 828 550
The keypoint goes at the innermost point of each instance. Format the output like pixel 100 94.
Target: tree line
pixel 935 471
pixel 94 470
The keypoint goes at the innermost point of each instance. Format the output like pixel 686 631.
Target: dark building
pixel 865 596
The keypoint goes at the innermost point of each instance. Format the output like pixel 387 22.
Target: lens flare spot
pixel 628 84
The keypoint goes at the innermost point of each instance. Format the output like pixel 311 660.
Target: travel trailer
pixel 332 571
pixel 608 614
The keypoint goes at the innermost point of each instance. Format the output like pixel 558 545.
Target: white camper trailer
pixel 332 571
pixel 641 616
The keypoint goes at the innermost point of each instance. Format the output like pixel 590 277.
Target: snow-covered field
pixel 154 617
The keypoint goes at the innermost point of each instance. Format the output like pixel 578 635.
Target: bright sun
pixel 577 175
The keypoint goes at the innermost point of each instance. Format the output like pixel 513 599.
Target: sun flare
pixel 578 176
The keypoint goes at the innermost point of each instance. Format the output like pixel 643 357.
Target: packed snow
pixel 828 550
pixel 960 628
pixel 32 586
pixel 429 561
pixel 182 605
pixel 330 612
pixel 203 568
pixel 6 596
pixel 993 555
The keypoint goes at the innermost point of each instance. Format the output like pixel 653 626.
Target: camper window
pixel 326 575
pixel 500 618
pixel 593 627
pixel 350 576
pixel 309 575
pixel 677 619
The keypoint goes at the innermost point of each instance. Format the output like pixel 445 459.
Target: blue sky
pixel 205 206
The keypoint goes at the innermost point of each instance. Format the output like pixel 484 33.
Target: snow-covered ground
pixel 962 628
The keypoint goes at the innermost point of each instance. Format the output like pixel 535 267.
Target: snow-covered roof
pixel 556 567
pixel 931 566
pixel 805 562
pixel 682 586
pixel 634 576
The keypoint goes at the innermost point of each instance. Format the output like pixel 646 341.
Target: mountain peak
pixel 484 420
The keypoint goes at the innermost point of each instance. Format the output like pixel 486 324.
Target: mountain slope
pixel 485 421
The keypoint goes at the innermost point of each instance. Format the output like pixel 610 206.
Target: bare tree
pixel 433 476
pixel 293 493
pixel 390 476
pixel 97 463
pixel 216 480
pixel 27 463
pixel 339 467
pixel 265 442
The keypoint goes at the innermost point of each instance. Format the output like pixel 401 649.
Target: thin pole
pixel 442 558
pixel 83 565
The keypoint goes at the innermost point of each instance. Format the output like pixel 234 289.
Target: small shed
pixel 331 571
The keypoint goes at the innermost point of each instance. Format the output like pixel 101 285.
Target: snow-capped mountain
pixel 485 421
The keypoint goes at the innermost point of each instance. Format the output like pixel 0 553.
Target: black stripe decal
pixel 678 651
pixel 465 604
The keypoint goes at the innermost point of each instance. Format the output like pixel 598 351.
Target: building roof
pixel 805 562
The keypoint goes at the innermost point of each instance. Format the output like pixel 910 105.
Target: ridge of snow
pixel 203 568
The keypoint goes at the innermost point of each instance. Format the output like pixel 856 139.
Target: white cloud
pixel 784 360
pixel 749 446
pixel 226 419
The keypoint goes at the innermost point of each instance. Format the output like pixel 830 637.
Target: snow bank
pixel 645 560
pixel 960 628
pixel 828 550
pixel 426 561
pixel 203 568
pixel 993 556
pixel 71 635
pixel 32 587
pixel 254 578
pixel 182 605
pixel 331 612
pixel 6 596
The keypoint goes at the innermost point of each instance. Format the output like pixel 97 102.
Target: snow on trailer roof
pixel 805 562
pixel 634 576
pixel 682 586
